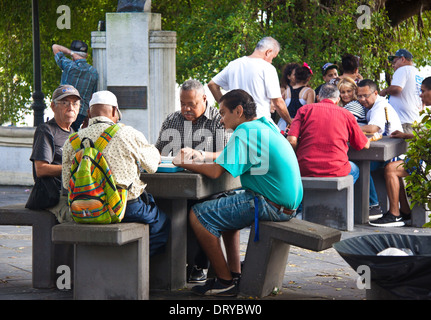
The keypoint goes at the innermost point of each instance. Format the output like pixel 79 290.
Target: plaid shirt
pixel 207 134
pixel 79 74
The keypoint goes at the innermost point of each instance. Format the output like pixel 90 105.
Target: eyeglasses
pixel 365 96
pixel 66 103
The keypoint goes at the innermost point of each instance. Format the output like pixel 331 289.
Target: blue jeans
pixel 374 199
pixel 354 171
pixel 157 220
pixel 235 212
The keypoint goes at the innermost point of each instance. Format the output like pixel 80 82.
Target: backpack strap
pixel 75 141
pixel 106 136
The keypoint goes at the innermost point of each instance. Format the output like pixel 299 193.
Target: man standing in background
pixel 256 75
pixel 404 89
pixel 78 73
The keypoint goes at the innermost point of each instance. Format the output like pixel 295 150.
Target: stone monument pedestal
pixel 136 61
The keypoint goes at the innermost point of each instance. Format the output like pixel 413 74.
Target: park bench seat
pixel 111 261
pixel 265 260
pixel 46 256
pixel 329 201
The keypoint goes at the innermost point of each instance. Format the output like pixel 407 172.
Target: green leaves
pixel 419 161
pixel 209 35
pixel 212 33
pixel 16 47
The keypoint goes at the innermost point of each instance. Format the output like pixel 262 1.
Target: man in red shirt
pixel 320 132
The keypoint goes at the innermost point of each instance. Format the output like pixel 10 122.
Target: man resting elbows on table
pixel 269 174
pixel 320 133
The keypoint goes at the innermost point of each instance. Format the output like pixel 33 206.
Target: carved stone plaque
pixel 130 97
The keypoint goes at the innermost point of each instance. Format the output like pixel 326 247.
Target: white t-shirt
pixel 408 103
pixel 254 75
pixel 376 116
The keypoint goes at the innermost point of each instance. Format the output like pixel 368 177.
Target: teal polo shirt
pixel 265 162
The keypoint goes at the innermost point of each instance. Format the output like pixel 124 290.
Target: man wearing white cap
pixel 127 153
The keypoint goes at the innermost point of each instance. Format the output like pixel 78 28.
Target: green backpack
pixel 93 194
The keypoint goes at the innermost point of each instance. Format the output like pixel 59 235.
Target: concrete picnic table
pixel 381 150
pixel 171 191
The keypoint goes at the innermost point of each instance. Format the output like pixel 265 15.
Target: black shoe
pixel 406 216
pixel 197 275
pixel 388 220
pixel 213 287
pixel 375 212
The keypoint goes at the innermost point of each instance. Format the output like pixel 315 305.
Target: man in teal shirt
pixel 269 173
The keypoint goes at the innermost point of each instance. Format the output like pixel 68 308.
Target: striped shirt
pixel 359 111
pixel 206 134
pixel 79 74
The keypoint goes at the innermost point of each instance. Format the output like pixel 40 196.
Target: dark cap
pixel 79 46
pixel 328 66
pixel 401 53
pixel 65 91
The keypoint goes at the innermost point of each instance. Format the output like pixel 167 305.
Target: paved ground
pixel 309 275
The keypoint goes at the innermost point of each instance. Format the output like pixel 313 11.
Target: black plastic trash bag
pixel 406 277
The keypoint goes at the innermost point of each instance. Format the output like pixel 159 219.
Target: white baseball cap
pixel 105 97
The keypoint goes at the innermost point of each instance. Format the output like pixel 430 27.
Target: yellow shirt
pixel 127 154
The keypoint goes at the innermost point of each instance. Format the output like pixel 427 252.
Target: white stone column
pixel 162 79
pixel 136 60
pixel 98 44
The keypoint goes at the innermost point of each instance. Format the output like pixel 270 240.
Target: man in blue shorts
pixel 269 172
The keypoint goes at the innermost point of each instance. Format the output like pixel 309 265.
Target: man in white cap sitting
pixel 127 152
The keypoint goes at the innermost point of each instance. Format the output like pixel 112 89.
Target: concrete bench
pixel 266 259
pixel 329 201
pixel 111 261
pixel 46 256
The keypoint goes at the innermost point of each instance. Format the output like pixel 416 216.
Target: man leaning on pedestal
pixel 78 73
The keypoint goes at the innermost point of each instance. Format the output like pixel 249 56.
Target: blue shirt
pixel 265 162
pixel 79 74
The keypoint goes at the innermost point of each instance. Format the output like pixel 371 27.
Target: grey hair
pixel 329 91
pixel 268 43
pixel 192 84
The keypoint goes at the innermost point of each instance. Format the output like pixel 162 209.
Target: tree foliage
pixel 212 33
pixel 16 47
pixel 419 162
pixel 209 35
